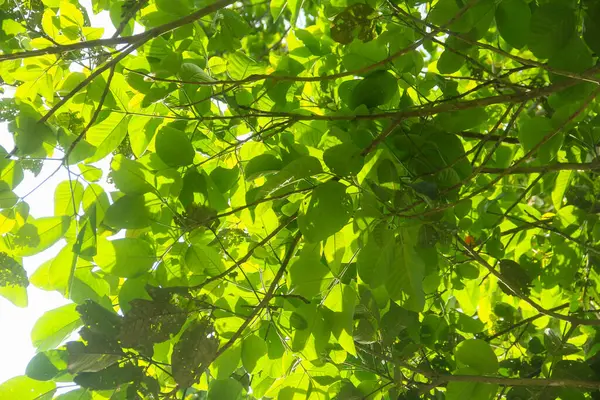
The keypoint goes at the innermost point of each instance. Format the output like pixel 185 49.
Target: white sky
pixel 16 323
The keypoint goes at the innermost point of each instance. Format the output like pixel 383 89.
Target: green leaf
pixel 109 378
pixel 294 6
pixel 25 388
pixel 344 159
pixel 563 179
pixel 128 212
pixel 342 301
pixel 224 178
pixel 591 33
pixel 276 7
pixel 149 322
pixel 444 12
pixel 7 197
pixel 98 319
pixel 374 261
pixel 128 257
pixel 100 354
pixel 142 130
pixel 224 389
pixel 51 3
pixel 106 134
pixel 227 362
pixel 12 274
pixel 468 324
pixel 77 394
pixel 254 349
pixel 377 89
pixel 262 165
pixel 90 173
pixel 478 355
pixel 129 176
pixel 355 21
pixel 552 26
pixel 450 62
pixel 54 326
pixel 575 57
pixel 47 365
pixel 61 270
pixel 533 131
pixel 470 390
pixel 174 147
pixel 307 274
pixel 17 295
pixel 193 352
pixel 11 172
pixel 30 135
pixel 405 277
pixel 192 73
pixel 513 19
pixel 326 213
pixel 204 260
pixel 457 121
pixel 67 198
pixel 38 235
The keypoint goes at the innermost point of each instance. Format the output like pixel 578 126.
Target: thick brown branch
pixel 356 72
pixel 145 36
pixel 519 381
pixel 441 379
pixel 97 72
pixel 424 111
pixel 547 168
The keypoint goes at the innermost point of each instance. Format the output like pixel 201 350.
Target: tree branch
pixel 145 36
pixel 492 138
pixel 520 294
pixel 94 116
pixel 97 72
pixel 241 260
pixel 476 103
pixel 524 61
pixel 548 228
pixel 523 322
pixel 127 17
pixel 265 301
pixel 519 381
pixel 441 379
pixel 594 165
pixel 515 165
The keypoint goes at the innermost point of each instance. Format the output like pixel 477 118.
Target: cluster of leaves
pixel 307 200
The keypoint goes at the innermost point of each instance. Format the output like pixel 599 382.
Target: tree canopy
pixel 345 199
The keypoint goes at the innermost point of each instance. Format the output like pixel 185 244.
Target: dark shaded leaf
pixel 109 378
pixel 149 322
pixel 193 352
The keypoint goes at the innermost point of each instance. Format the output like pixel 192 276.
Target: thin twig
pixel 265 301
pixel 520 294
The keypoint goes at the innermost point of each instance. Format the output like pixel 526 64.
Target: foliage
pixel 337 199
